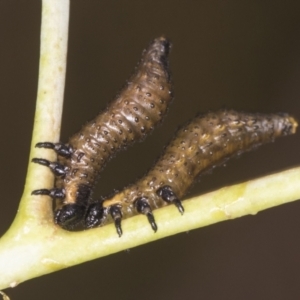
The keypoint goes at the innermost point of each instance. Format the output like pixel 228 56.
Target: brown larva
pixel 206 141
pixel 138 108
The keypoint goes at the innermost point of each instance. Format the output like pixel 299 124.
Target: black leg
pixel 60 148
pixel 53 193
pixel 56 168
pixel 116 214
pixel 167 194
pixel 143 207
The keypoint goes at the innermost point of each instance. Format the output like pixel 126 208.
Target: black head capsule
pixel 69 215
pixel 95 215
pixel 142 206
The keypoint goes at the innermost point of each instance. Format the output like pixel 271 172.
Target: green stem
pixel 34 246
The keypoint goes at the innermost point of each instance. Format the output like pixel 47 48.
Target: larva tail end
pixel 294 124
pixel 158 51
pixel 286 124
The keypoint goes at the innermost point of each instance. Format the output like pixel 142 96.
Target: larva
pixel 138 108
pixel 206 141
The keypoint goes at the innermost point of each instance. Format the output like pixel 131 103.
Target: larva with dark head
pixel 138 108
pixel 206 141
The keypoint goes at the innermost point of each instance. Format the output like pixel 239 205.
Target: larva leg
pixel 203 143
pixel 60 148
pixel 168 195
pixel 58 169
pixel 116 214
pixel 142 206
pixel 53 193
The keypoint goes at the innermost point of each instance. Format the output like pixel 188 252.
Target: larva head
pixel 69 215
pixel 95 215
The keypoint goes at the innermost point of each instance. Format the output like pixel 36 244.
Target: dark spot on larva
pixel 136 119
pixel 120 121
pixel 74 171
pixel 79 156
pixel 152 105
pixel 148 94
pixel 135 108
pixel 105 132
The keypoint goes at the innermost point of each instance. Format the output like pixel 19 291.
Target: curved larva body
pixel 130 117
pixel 206 141
pixel 136 110
pixel 203 143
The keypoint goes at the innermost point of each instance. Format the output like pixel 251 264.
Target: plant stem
pixel 34 245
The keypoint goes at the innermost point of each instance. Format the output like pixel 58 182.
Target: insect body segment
pixel 134 113
pixel 203 143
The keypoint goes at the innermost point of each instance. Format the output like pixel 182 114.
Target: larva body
pixel 206 141
pixel 138 108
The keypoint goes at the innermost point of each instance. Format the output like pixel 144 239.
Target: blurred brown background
pixel 236 54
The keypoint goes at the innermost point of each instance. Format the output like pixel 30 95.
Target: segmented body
pixel 130 117
pixel 138 108
pixel 206 141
